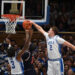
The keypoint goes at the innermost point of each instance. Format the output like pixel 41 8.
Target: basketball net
pixel 11 23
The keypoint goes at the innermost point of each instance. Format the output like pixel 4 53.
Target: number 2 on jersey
pixel 13 65
pixel 51 47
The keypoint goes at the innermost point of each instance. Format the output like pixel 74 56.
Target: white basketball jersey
pixel 53 46
pixel 16 66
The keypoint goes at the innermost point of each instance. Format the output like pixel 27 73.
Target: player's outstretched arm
pixel 8 40
pixel 39 28
pixel 26 45
pixel 69 45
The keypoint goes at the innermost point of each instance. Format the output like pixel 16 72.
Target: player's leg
pixel 59 67
pixel 50 68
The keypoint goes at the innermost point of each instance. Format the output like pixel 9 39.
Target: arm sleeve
pixel 60 40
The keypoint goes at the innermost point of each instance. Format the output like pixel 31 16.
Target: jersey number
pixel 13 66
pixel 51 47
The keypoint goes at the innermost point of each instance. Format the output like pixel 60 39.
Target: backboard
pixel 35 10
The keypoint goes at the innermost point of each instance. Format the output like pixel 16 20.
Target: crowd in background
pixel 40 59
pixel 62 15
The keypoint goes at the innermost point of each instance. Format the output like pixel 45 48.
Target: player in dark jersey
pixel 28 61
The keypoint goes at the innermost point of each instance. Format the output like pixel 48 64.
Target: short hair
pixel 32 47
pixel 11 52
pixel 55 29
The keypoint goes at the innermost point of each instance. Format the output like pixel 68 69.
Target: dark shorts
pixel 30 72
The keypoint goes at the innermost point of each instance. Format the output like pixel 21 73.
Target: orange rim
pixel 12 17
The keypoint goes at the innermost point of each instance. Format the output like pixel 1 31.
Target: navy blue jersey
pixel 27 59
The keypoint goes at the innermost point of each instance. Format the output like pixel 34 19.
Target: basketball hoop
pixel 11 23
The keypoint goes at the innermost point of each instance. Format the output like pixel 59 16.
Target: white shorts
pixel 55 67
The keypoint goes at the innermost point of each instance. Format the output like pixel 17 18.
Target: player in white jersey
pixel 15 61
pixel 55 61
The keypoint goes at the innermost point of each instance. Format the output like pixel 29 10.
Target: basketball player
pixel 28 61
pixel 55 61
pixel 15 61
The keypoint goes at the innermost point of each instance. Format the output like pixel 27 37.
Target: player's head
pixel 53 31
pixel 32 47
pixel 11 52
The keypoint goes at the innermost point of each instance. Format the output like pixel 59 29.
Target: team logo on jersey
pixel 50 42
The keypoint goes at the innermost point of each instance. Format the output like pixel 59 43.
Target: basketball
pixel 27 25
